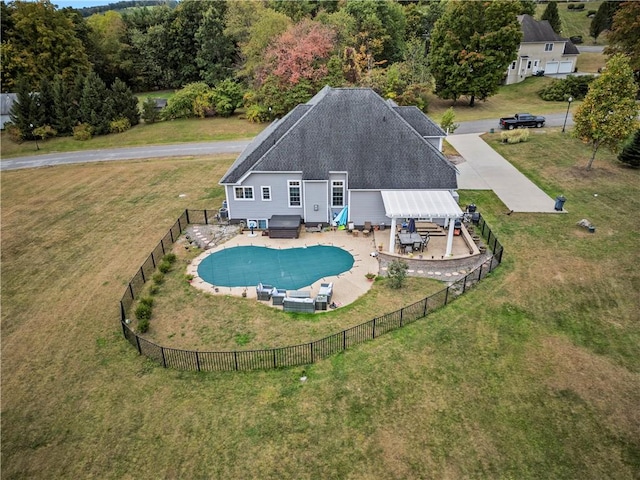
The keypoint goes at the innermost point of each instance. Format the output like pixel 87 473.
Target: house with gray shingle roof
pixel 343 148
pixel 541 50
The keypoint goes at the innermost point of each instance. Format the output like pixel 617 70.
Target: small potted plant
pixel 380 246
pixel 370 276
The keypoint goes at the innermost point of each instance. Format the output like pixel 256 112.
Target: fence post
pixel 164 360
pixel 206 220
pixel 446 296
pixel 344 339
pixel 179 227
pixel 480 272
pixel 311 347
pixel 424 310
pixel 374 328
pixel 162 245
pixel 123 313
pixel 500 256
pixel 186 212
pixel 235 358
pixel 171 232
pixel 138 344
pixel 144 280
pixel 274 358
pixel 153 260
pixel 131 291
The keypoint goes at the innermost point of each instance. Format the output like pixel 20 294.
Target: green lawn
pixel 535 373
pixel 575 22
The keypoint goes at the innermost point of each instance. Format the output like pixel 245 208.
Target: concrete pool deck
pixel 347 286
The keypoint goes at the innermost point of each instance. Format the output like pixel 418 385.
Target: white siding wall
pixel 367 206
pixel 257 208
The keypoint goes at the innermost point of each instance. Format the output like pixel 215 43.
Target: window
pixel 337 193
pixel 266 193
pixel 548 47
pixel 294 193
pixel 513 65
pixel 528 64
pixel 243 193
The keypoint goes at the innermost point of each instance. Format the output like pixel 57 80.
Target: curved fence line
pixel 293 355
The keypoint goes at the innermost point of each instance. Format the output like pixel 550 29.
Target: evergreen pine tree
pixel 23 109
pixel 64 110
pixel 553 17
pixel 95 104
pixel 125 103
pixel 149 112
pixel 45 103
pixel 603 18
pixel 630 154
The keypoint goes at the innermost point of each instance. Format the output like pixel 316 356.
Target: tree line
pixel 277 53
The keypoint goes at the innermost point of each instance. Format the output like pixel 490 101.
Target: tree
pixel 40 42
pixel 380 29
pixel 150 113
pixel 552 16
pixel 64 107
pixel 125 103
pixel 630 154
pixel 527 7
pixel 603 18
pixel 625 35
pixel 447 123
pixel 299 53
pixel 110 53
pixel 23 109
pixel 472 45
pixel 216 51
pixel 227 96
pixel 608 114
pixel 96 105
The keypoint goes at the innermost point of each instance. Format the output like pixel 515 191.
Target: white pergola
pixel 427 204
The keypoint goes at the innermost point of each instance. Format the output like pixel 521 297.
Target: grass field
pixel 533 374
pixel 575 22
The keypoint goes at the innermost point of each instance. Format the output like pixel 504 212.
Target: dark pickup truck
pixel 522 120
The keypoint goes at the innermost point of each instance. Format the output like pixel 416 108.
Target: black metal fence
pixel 293 355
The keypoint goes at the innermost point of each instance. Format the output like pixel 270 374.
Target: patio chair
pixel 417 246
pixel 425 241
pixel 367 229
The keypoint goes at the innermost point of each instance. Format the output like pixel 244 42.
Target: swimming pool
pixel 290 268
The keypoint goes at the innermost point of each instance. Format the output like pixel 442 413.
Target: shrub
pixel 447 123
pixel 164 266
pixel 515 136
pixel 143 325
pixel 258 114
pixel 45 132
pixel 630 154
pixel 14 133
pixel 416 94
pixel 185 102
pixel 169 257
pixel 143 311
pixel 82 132
pixel 158 278
pixel 146 301
pixel 572 86
pixel 397 272
pixel 153 289
pixel 119 125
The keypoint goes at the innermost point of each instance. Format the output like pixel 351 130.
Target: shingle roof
pixel 6 102
pixel 352 130
pixel 537 31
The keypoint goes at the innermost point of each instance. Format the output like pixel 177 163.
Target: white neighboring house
pixel 541 49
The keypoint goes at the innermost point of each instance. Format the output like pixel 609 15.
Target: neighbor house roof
pixel 538 31
pixel 353 130
pixel 6 102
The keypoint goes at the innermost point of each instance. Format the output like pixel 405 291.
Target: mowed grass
pixel 509 100
pixel 575 22
pixel 171 132
pixel 532 374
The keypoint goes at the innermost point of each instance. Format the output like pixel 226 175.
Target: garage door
pixel 565 67
pixel 551 67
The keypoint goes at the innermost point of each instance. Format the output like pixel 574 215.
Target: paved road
pixel 189 149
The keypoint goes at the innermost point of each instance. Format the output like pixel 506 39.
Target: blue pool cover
pixel 289 269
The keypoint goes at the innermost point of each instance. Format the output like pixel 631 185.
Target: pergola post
pixel 392 236
pixel 449 237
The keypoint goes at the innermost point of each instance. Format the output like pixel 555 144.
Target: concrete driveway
pixel 485 169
